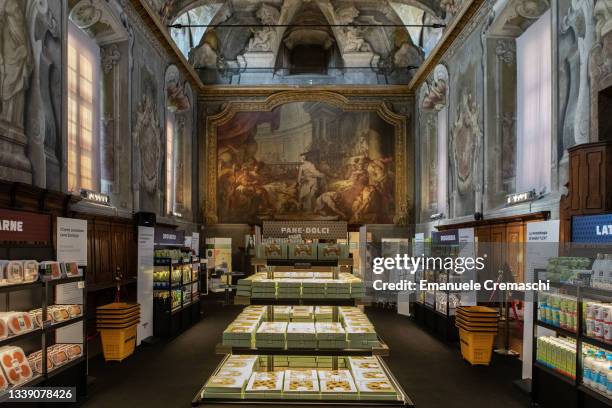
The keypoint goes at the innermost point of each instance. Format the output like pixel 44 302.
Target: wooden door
pixel 515 237
pixel 102 244
pixel 119 250
pixel 91 253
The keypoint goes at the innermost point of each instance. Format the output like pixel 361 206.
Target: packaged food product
pixel 13 272
pixel 35 361
pixel 74 351
pixel 265 384
pixel 17 322
pixel 70 269
pixel 75 310
pixel 15 365
pixel 37 318
pixel 3 329
pixel 3 381
pixel 30 271
pixel 50 270
pixel 299 384
pixel 57 355
pixel 59 313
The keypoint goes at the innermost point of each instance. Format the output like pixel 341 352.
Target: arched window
pixel 179 126
pixel 83 111
pixel 95 96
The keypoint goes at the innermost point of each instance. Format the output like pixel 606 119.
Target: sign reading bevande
pixel 305 229
pixel 169 236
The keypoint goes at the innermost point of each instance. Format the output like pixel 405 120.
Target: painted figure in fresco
pixel 309 181
pixel 16 61
pixel 350 179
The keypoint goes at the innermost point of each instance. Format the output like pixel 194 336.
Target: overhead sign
pixel 517 198
pixel 594 229
pixel 305 229
pixel 27 227
pixel 169 236
pixel 449 237
pixel 99 198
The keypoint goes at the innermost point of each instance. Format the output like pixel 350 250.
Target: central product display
pixel 289 351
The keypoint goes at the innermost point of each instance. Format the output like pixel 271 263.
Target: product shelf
pixel 382 350
pixel 595 394
pixel 402 401
pixel 54 282
pixel 569 387
pixel 65 323
pixel 65 367
pixel 559 330
pixel 20 286
pixel 555 373
pixel 4 395
pixel 21 337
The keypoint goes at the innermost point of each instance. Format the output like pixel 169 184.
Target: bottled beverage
pixel 588 369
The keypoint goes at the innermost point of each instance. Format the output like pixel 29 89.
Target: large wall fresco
pixel 306 160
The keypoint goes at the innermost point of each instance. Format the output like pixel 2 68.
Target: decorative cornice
pixel 162 37
pixel 463 18
pixel 346 90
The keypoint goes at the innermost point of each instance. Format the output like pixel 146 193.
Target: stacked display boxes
pixel 265 384
pixel 288 288
pixel 282 313
pixel 244 287
pixel 324 313
pixel 337 384
pixel 558 353
pixel 357 286
pixel 263 288
pixel 313 289
pixel 230 380
pixel 338 289
pixel 360 332
pixel 301 336
pixel 302 384
pixel 371 381
pixel 241 332
pixel 330 335
pixel 302 314
pixel 271 335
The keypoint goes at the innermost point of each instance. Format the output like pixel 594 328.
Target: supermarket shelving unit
pixel 552 388
pixel 427 311
pixel 71 374
pixel 383 350
pixel 169 317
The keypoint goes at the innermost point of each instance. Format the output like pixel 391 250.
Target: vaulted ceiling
pixel 260 33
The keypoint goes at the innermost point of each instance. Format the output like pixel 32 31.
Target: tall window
pixel 534 102
pixel 83 111
pixel 442 147
pixel 170 163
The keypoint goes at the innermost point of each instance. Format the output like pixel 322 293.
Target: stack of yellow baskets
pixel 477 330
pixel 117 324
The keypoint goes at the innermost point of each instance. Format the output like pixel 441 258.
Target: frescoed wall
pixel 306 160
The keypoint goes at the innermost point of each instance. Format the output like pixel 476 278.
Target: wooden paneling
pixel 590 183
pixel 515 236
pixel 502 240
pixel 103 253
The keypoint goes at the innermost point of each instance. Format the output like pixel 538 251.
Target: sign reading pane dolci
pixel 21 226
pixel 305 229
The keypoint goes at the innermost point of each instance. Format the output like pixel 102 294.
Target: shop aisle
pixel 170 373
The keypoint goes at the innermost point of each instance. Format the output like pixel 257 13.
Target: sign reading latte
pixel 21 226
pixel 305 229
pixel 169 236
